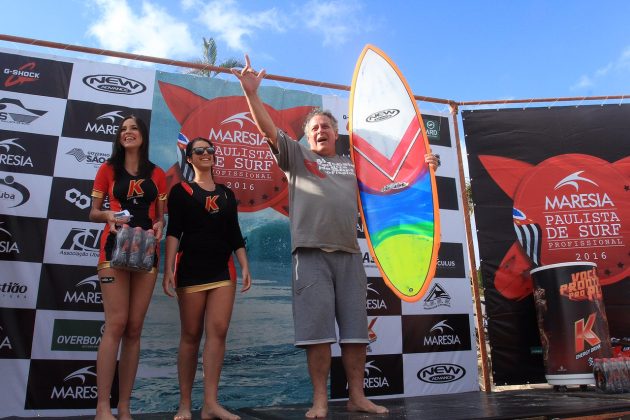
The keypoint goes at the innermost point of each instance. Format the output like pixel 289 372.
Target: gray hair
pixel 319 111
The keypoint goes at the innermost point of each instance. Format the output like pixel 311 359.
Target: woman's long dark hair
pixel 117 159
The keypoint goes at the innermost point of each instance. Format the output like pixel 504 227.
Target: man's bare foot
pixel 366 406
pixel 124 415
pixel 104 415
pixel 183 414
pixel 317 412
pixel 217 412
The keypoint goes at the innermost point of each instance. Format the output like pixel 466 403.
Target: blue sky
pixel 463 50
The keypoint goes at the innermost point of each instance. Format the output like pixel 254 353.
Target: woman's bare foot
pixel 317 412
pixel 183 414
pixel 124 415
pixel 366 406
pixel 104 415
pixel 217 412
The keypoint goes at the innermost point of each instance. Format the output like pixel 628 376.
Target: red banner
pixel 550 185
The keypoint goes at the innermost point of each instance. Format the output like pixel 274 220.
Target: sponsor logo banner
pixel 380 299
pixel 61 335
pixel 440 373
pixel 24 194
pixel 67 287
pixel 438 130
pixel 552 190
pixel 16 333
pixel 70 242
pixel 70 199
pixel 450 261
pixel 77 334
pixel 382 376
pixel 19 284
pixel 436 297
pixel 88 120
pixel 112 84
pixel 59 384
pixel 27 153
pixel 31 114
pixel 37 76
pixel 21 238
pixel 444 296
pixel 435 333
pixel 78 158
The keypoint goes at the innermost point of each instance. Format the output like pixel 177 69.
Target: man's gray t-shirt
pixel 322 197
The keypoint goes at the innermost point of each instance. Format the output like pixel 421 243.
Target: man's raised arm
pixel 250 81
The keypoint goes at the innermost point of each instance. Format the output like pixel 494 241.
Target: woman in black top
pixel 202 234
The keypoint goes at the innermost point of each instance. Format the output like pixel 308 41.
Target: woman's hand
pixel 157 228
pixel 168 283
pixel 247 280
pixel 110 220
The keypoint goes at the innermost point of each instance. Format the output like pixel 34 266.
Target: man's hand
pixel 433 160
pixel 249 78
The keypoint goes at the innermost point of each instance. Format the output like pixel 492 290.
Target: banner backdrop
pixel 550 185
pixel 57 120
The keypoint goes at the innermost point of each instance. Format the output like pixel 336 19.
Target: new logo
pixel 114 84
pixel 441 373
pixel 382 115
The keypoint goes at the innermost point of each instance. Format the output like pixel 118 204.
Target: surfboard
pixel 397 192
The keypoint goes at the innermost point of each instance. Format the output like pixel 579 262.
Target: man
pixel 329 280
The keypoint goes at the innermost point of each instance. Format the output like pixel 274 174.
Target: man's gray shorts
pixel 328 285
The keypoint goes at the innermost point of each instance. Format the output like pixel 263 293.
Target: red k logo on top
pixel 243 160
pixel 571 207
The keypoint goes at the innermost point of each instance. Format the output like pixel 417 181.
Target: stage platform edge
pixel 536 403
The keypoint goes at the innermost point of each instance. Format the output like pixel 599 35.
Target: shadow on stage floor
pixel 539 403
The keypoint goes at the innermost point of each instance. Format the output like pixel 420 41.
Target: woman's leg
pixel 115 293
pixel 191 312
pixel 141 287
pixel 218 314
